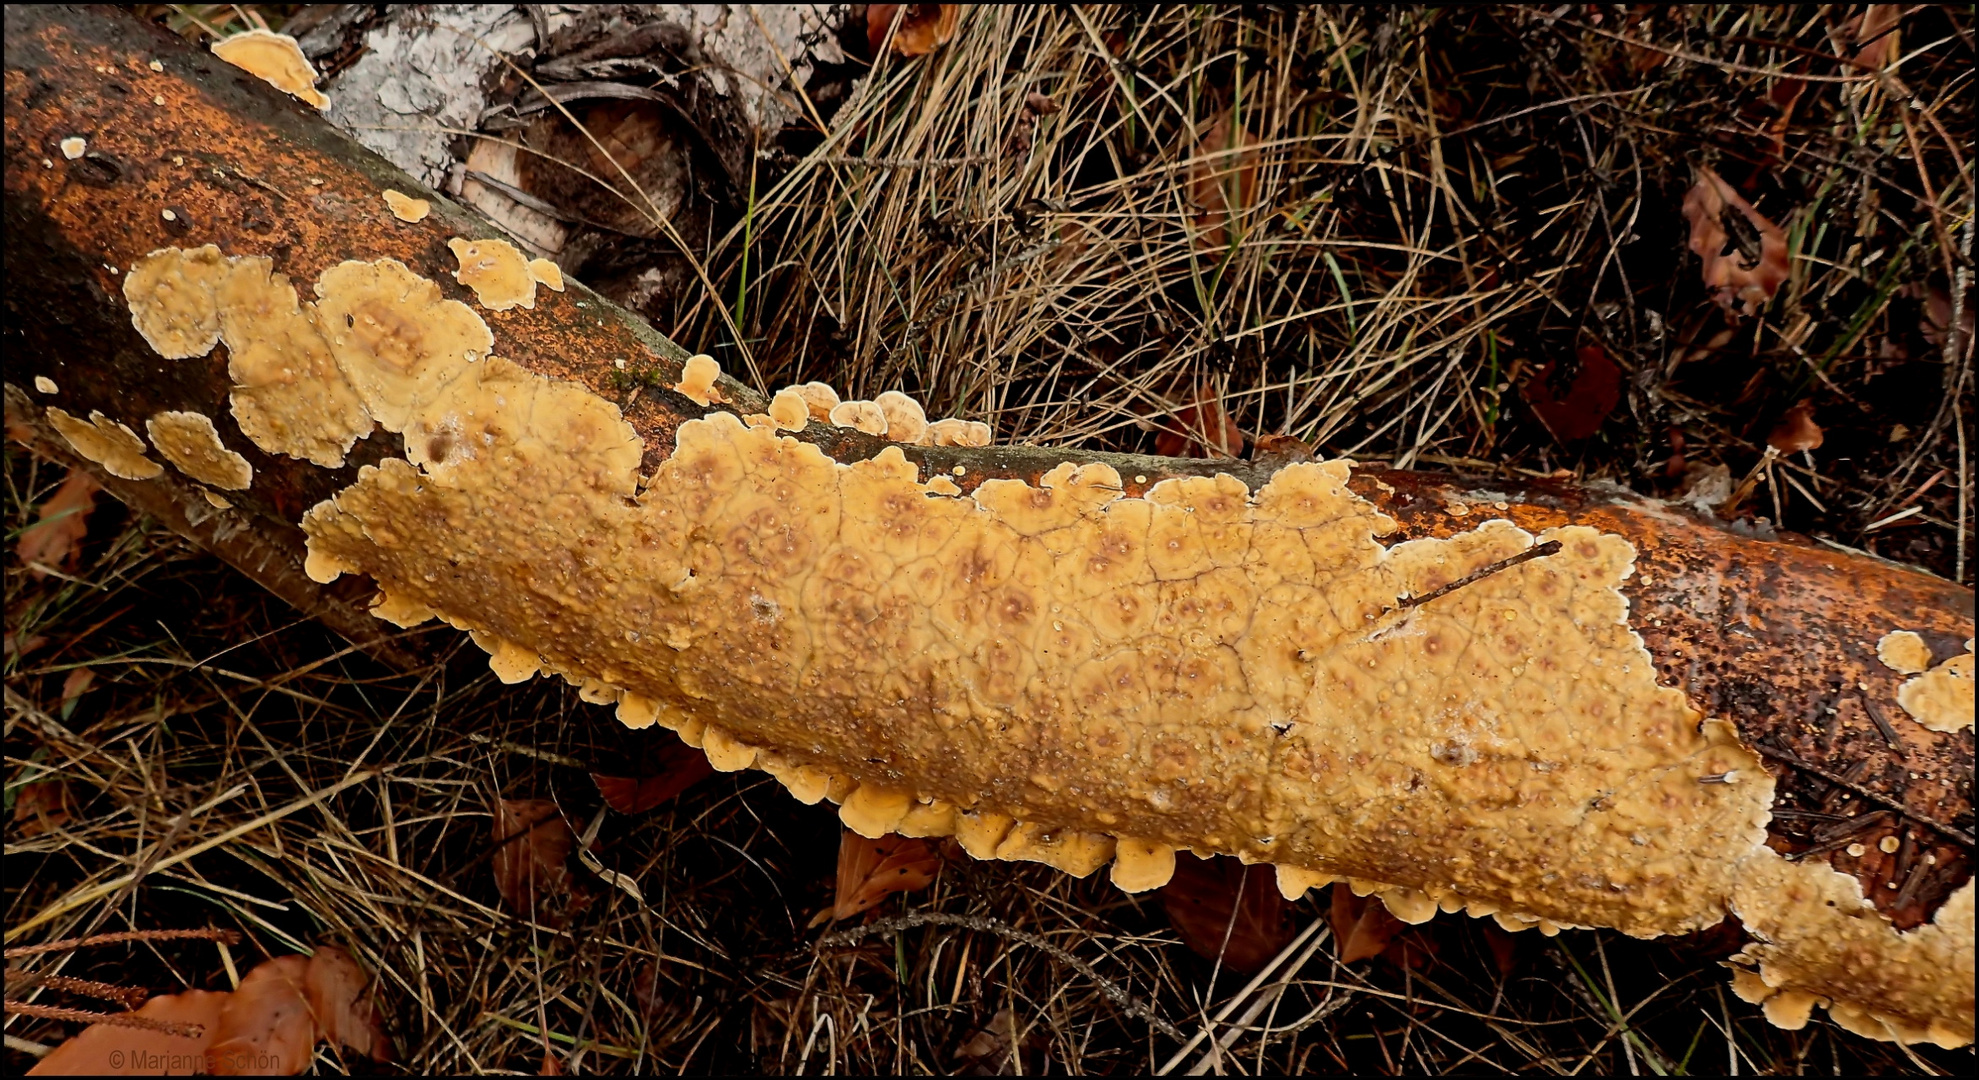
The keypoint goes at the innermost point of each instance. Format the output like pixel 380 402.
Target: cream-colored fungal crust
pixel 276 59
pixel 789 411
pixel 953 432
pixel 394 337
pixel 406 208
pixel 45 384
pixel 190 441
pixel 1058 672
pixel 108 443
pixel 820 399
pixel 906 421
pixel 1904 652
pixel 289 397
pixel 864 416
pixel 547 274
pixel 216 500
pixel 1811 922
pixel 697 379
pixel 1941 698
pixel 498 273
pixel 74 147
pixel 171 294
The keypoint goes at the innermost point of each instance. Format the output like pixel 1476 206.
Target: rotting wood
pixel 1778 637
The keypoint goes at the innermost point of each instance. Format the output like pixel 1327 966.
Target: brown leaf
pixel 1876 29
pixel 63 521
pixel 1594 393
pixel 1726 272
pixel 1222 182
pixel 1206 429
pixel 1796 431
pixel 988 1051
pixel 1040 104
pixel 869 871
pixel 533 844
pixel 42 806
pixel 265 1026
pixel 1223 908
pixel 1362 925
pixel 923 29
pixel 112 1050
pixel 338 990
pixel 679 767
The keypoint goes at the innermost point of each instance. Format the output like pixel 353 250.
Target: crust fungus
pixel 1904 652
pixel 820 399
pixel 1069 674
pixel 190 441
pixel 74 147
pixel 496 271
pixel 547 274
pixel 108 443
pixel 953 432
pixel 275 59
pixel 788 410
pixel 45 384
pixel 216 500
pixel 406 208
pixel 905 420
pixel 171 294
pixel 288 396
pixel 863 416
pixel 1941 698
pixel 395 337
pixel 697 379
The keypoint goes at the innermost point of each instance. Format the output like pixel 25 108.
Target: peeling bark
pixel 1777 636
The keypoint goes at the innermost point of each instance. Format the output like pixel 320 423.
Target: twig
pixel 988 925
pixel 1538 551
pixel 124 1019
pixel 231 937
pixel 1861 792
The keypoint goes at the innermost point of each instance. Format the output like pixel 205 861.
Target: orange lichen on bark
pixel 1056 671
pixel 190 441
pixel 108 443
pixel 276 59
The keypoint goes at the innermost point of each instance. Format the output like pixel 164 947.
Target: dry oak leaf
pixel 1796 430
pixel 1726 272
pixel 1222 182
pixel 42 806
pixel 268 1027
pixel 923 28
pixel 869 871
pixel 1363 927
pixel 60 526
pixel 1594 393
pixel 1206 429
pixel 1225 909
pixel 678 767
pixel 533 845
pixel 113 1050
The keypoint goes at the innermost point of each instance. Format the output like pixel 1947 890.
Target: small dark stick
pixel 1538 551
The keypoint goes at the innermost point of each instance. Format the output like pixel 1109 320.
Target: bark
pixel 1773 633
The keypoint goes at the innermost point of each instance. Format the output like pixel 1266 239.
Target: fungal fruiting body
pixel 1062 673
pixel 276 59
pixel 190 441
pixel 498 273
pixel 406 208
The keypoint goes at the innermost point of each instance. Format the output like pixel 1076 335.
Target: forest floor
pixel 1452 238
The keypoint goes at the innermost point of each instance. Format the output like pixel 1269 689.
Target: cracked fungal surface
pixel 1062 673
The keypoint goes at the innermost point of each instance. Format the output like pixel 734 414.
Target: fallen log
pixel 1554 705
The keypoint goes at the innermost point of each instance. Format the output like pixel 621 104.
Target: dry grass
pixel 1433 203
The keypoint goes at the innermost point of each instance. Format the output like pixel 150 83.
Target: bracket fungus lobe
pixel 497 272
pixel 190 441
pixel 405 207
pixel 276 59
pixel 1062 672
pixel 108 443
